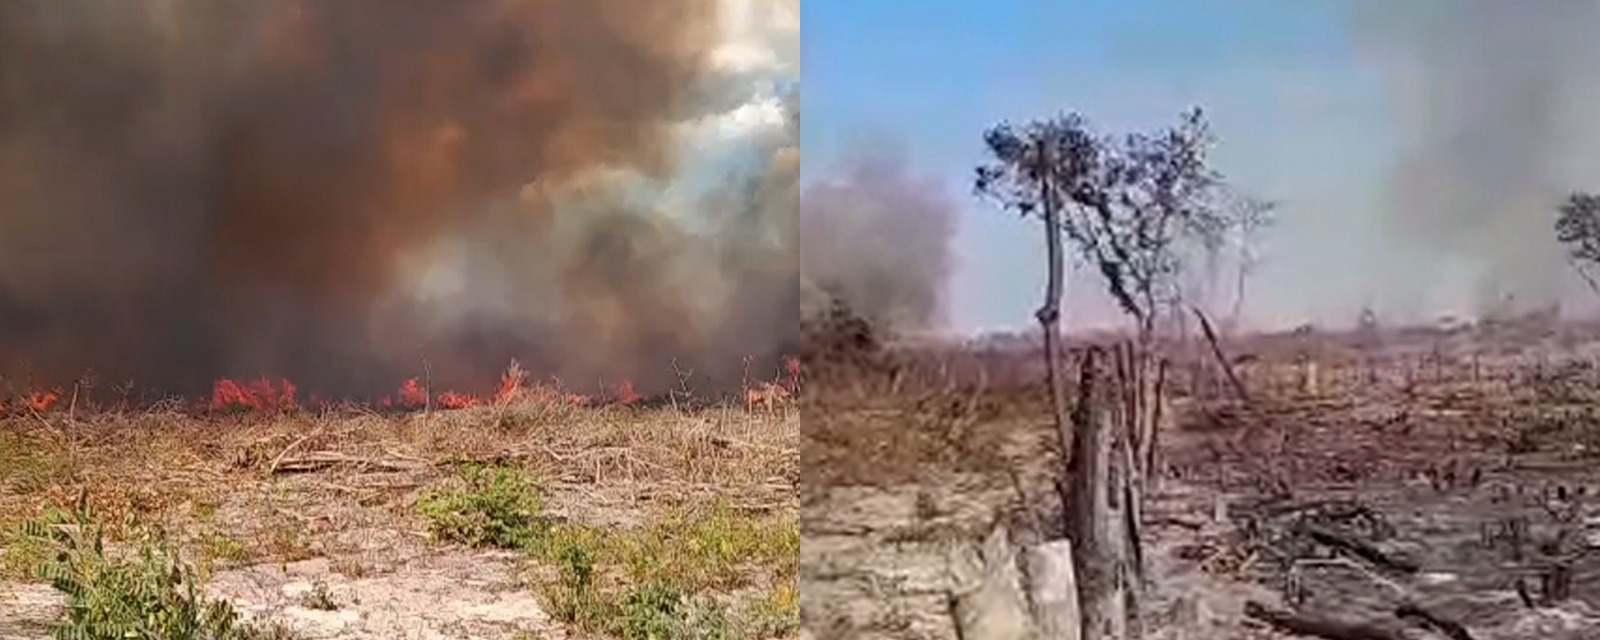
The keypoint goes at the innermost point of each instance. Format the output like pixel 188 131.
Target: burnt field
pixel 1397 483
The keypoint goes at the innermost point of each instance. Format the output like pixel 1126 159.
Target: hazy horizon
pixel 1417 152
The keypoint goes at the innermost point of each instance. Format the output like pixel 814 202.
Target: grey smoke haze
pixel 333 191
pixel 879 237
pixel 1494 102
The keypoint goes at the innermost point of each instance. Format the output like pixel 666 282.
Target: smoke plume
pixel 877 238
pixel 337 191
pixel 1493 100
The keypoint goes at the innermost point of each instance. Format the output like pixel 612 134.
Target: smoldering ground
pixel 337 191
pixel 879 238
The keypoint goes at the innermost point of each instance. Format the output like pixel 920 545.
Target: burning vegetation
pixel 265 264
pixel 348 195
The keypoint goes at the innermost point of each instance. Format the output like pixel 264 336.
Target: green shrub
pixel 655 611
pixel 498 507
pixel 154 596
pixel 668 580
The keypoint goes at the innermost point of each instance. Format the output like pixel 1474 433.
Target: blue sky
pixel 1301 116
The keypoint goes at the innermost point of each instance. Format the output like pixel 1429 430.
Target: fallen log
pixel 1305 625
pixel 1362 550
pixel 321 461
pixel 1221 358
pixel 1414 613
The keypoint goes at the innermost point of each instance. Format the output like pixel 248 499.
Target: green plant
pixel 712 549
pixel 573 598
pixel 498 507
pixel 577 566
pixel 656 611
pixel 22 553
pixel 652 611
pixel 153 596
pixel 658 581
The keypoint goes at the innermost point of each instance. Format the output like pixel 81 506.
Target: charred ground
pixel 1461 457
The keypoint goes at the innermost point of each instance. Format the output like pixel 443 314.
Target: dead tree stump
pixel 1097 508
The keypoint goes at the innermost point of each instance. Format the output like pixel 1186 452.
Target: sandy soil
pixel 431 596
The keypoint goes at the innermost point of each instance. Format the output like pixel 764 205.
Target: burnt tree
pixel 1250 217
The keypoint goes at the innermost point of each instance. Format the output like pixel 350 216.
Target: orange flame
pixel 411 395
pixel 260 395
pixel 625 394
pixel 267 395
pixel 41 401
pixel 453 400
pixel 791 366
pixel 511 384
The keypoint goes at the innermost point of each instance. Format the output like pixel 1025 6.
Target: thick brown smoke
pixel 879 239
pixel 1494 99
pixel 335 191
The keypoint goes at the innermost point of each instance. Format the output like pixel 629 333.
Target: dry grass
pixel 915 413
pixel 155 463
pixel 280 487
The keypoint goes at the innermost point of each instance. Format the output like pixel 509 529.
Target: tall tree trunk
pixel 1150 457
pixel 1088 442
pixel 1049 314
pixel 1145 380
pixel 1141 386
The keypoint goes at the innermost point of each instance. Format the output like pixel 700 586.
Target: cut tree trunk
pixel 1098 531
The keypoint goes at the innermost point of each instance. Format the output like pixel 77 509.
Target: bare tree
pixel 1250 217
pixel 1578 228
pixel 1131 207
